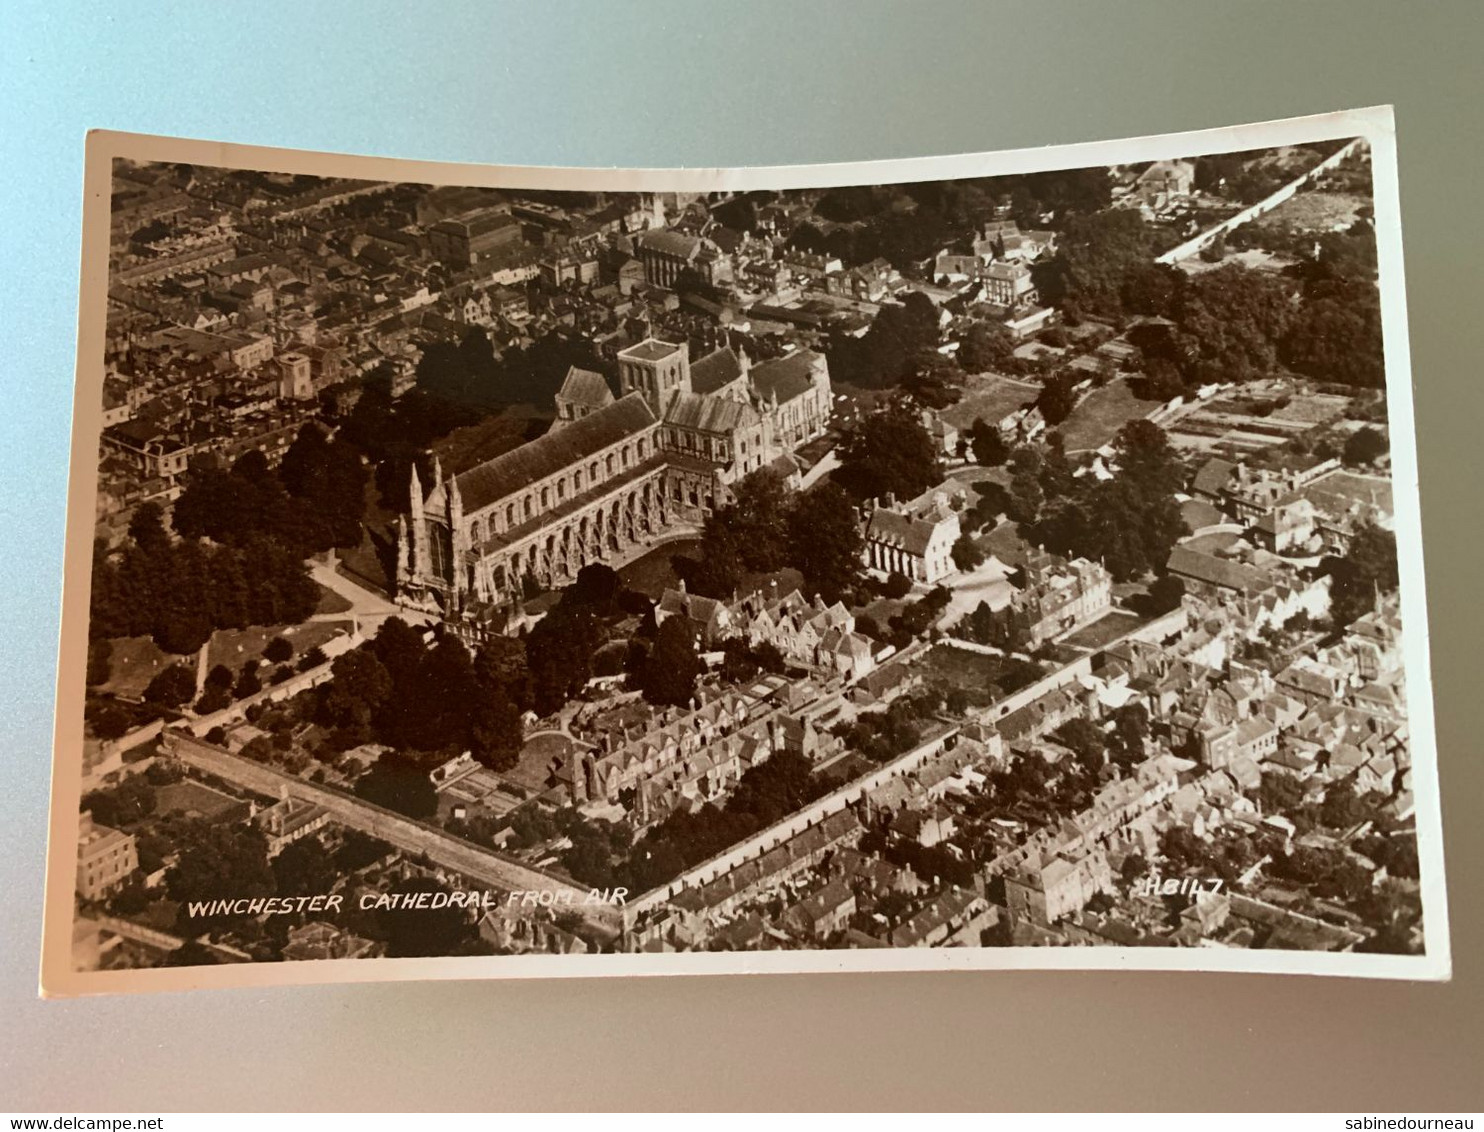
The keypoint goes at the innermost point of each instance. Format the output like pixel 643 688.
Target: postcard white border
pixel 59 979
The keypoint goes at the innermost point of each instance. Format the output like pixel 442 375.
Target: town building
pixel 915 540
pixel 105 858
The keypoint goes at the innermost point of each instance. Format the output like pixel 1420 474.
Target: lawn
pixel 1103 632
pixel 992 397
pixel 331 603
pixel 536 759
pixel 234 646
pixel 1317 211
pixel 652 574
pixel 1099 416
pixel 983 676
pixel 135 661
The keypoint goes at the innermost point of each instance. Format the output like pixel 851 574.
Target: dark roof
pixel 547 455
pixel 586 387
pixel 706 413
pixel 1214 475
pixel 716 369
pixel 908 532
pixel 669 243
pixel 650 350
pixel 787 377
pixel 1218 571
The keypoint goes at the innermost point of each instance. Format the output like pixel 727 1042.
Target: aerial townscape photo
pixel 985 563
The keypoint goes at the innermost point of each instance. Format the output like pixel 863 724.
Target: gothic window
pixel 510 516
pixel 561 490
pixel 577 480
pixel 530 507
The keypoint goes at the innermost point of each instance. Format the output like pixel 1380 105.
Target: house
pixel 1164 182
pixel 822 913
pixel 105 858
pixel 915 540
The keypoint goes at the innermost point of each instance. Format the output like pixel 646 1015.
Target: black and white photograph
pixel 1000 560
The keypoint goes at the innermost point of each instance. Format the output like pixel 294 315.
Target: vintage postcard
pixel 992 561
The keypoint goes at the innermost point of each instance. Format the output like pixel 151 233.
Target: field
pixel 193 798
pixel 992 397
pixel 652 573
pixel 1317 211
pixel 134 663
pixel 983 676
pixel 330 603
pixel 234 646
pixel 536 758
pixel 1102 632
pixel 1099 416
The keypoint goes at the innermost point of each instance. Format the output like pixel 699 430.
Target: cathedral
pixel 612 475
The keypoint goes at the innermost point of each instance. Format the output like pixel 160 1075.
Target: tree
pixel 443 930
pixel 397 782
pixel 173 687
pixel 966 553
pixel 669 674
pixel 100 657
pixel 191 953
pixel 1085 740
pixel 1026 497
pixel 219 861
pixel 1365 446
pixel 596 585
pixel 825 540
pixel 559 653
pixel 248 683
pixel 1233 319
pixel 988 444
pixel 147 529
pixel 888 453
pixel 304 868
pixel 1057 398
pixel 1369 567
pixel 985 346
pixel 1130 729
pixel 1166 593
pixel 278 650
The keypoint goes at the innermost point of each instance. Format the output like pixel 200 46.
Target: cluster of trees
pixel 888 453
pixel 432 698
pixel 312 502
pixel 897 339
pixel 469 373
pixel 767 527
pixel 1368 568
pixel 1130 522
pixel 894 730
pixel 765 794
pixel 178 592
pixel 1230 323
pixel 906 224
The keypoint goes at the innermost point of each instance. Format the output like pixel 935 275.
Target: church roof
pixel 904 531
pixel 669 243
pixel 787 377
pixel 717 369
pixel 547 455
pixel 586 387
pixel 706 413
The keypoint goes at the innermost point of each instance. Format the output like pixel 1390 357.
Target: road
pixel 412 837
pixel 367 609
